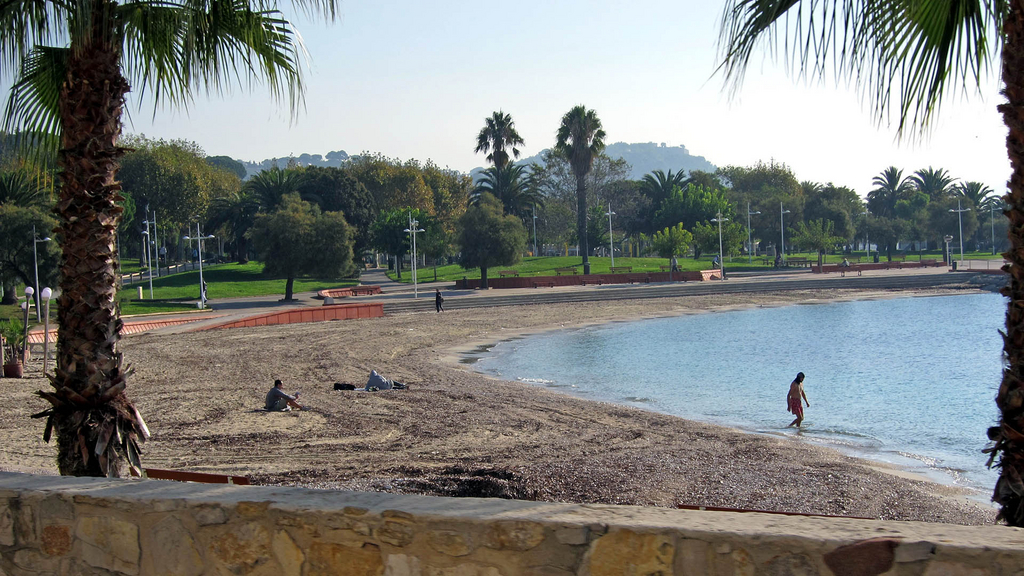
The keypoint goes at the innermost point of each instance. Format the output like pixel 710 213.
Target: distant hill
pixel 334 159
pixel 642 158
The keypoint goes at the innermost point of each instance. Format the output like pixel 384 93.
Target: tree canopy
pixel 488 237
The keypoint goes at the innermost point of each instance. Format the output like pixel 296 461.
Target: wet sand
pixel 457 433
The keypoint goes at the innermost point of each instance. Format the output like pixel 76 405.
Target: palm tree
pixel 512 187
pixel 498 134
pixel 935 182
pixel 236 214
pixel 23 188
pixel 580 138
pixel 979 194
pixel 74 94
pixel 816 234
pixel 890 188
pixel 658 186
pixel 269 187
pixel 925 49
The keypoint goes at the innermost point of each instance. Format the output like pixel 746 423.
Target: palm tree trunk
pixel 89 403
pixel 483 277
pixel 581 220
pixel 288 285
pixel 1009 435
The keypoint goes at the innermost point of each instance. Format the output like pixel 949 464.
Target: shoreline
pixel 457 433
pixel 466 356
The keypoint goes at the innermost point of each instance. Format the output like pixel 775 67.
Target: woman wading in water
pixel 796 392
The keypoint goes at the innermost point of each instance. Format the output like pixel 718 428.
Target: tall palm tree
pixel 23 188
pixel 935 182
pixel 924 50
pixel 236 214
pixel 76 62
pixel 890 188
pixel 512 187
pixel 580 138
pixel 979 194
pixel 497 135
pixel 268 187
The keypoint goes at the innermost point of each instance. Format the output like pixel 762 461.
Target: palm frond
pixel 33 104
pixel 919 49
pixel 25 24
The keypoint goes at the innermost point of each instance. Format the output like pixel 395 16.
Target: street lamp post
pixel 960 217
pixel 782 232
pixel 24 339
pixel 202 284
pixel 412 230
pixel 721 257
pixel 47 293
pixel 611 245
pixel 750 243
pixel 535 254
pixel 149 259
pixel 35 261
pixel 867 241
pixel 992 223
pixel 948 239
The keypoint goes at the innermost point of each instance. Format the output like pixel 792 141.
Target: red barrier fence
pixel 319 314
pixel 589 279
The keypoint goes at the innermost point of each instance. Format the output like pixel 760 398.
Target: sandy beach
pixel 455 432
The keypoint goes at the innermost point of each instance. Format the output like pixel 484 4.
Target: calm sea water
pixel 910 381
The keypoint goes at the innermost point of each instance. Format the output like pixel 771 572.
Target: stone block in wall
pixel 513 535
pixel 694 558
pixel 326 559
pixel 55 539
pixel 208 515
pixel 462 570
pixel 240 546
pixel 169 549
pixel 109 543
pixel 6 526
pixel 402 565
pixel 627 552
pixel 789 565
pixel 449 542
pixel 953 569
pixel 33 562
pixel 288 554
pixel 572 535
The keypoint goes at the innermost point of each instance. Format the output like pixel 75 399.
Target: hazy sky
pixel 414 79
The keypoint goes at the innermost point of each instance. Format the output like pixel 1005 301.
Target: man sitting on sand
pixel 796 391
pixel 279 401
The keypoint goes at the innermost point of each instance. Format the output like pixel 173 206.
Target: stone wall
pixel 75 526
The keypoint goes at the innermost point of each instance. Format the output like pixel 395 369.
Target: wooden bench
pixel 539 283
pixel 595 280
pixel 931 262
pixel 844 269
pixel 798 261
pixel 894 262
pixel 182 476
pixel 503 273
pixel 638 278
pixel 365 290
pixel 618 269
pixel 560 271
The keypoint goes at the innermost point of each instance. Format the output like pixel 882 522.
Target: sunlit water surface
pixel 909 381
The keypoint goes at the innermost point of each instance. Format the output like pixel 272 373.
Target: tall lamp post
pixel 35 260
pixel 149 259
pixel 867 241
pixel 202 284
pixel 992 223
pixel 611 239
pixel 721 258
pixel 782 232
pixel 750 243
pixel 412 230
pixel 535 254
pixel 948 239
pixel 29 291
pixel 47 293
pixel 960 217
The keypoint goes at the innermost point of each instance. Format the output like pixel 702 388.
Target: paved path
pixel 399 297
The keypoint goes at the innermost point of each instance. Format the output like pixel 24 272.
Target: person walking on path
pixel 438 300
pixel 796 392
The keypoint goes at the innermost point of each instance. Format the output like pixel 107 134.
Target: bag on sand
pixel 346 386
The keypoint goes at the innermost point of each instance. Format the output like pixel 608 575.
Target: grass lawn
pixel 545 265
pixel 173 293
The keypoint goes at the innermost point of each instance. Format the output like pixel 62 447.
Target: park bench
pixel 182 476
pixel 930 262
pixel 897 263
pixel 539 283
pixel 854 268
pixel 560 271
pixel 638 278
pixel 503 273
pixel 798 261
pixel 618 269
pixel 593 280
